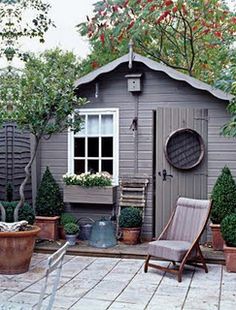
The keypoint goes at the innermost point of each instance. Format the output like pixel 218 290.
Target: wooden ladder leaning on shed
pixel 133 192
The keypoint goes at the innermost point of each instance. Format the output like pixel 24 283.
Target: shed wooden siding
pixel 158 90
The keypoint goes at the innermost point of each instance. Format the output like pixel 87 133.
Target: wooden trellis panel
pixel 14 155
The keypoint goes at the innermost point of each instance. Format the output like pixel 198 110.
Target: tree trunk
pixel 27 176
pixel 3 213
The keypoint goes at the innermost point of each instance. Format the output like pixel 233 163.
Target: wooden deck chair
pixel 179 241
pixel 54 262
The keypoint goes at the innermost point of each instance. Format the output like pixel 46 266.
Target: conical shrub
pixel 49 200
pixel 223 196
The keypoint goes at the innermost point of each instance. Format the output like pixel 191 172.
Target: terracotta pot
pixel 131 235
pixel 16 249
pixel 230 258
pixel 49 227
pixel 217 240
pixel 61 232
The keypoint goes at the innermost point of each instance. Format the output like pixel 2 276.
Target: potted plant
pixel 71 231
pixel 93 188
pixel 65 219
pixel 42 98
pixel 12 242
pixel 130 222
pixel 48 206
pixel 224 202
pixel 228 230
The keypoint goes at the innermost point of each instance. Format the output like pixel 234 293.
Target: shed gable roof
pixel 156 66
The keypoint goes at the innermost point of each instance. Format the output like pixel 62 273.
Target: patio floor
pixel 99 283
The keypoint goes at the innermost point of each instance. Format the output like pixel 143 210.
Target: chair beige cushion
pixel 169 249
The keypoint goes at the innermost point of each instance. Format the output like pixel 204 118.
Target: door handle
pixel 164 175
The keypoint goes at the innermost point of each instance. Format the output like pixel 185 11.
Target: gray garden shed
pixel 145 119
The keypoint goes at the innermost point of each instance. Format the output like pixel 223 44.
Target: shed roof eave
pixel 156 66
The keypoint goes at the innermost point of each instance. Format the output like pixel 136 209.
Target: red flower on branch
pixel 168 2
pixel 102 38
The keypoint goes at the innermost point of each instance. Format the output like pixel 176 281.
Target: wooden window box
pixel 93 195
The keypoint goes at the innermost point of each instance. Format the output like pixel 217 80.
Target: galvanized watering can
pixel 85 227
pixel 103 234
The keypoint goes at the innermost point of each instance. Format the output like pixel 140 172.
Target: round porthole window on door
pixel 184 148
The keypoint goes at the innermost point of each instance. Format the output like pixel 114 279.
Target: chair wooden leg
pixel 174 263
pixel 202 259
pixel 179 277
pixel 146 263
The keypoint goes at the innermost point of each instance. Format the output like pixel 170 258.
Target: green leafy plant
pixel 228 229
pixel 228 84
pixel 49 200
pixel 16 24
pixel 173 32
pixel 42 99
pixel 71 229
pixel 130 217
pixel 223 196
pixel 25 213
pixel 67 218
pixel 88 179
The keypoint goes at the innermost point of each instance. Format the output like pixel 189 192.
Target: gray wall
pixel 158 90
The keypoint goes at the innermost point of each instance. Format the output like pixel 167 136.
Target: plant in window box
pixel 130 222
pixel 71 231
pixel 228 230
pixel 89 188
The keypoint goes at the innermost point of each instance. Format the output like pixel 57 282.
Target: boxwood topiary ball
pixel 71 229
pixel 228 229
pixel 130 217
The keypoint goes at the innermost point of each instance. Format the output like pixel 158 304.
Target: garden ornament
pixel 16 226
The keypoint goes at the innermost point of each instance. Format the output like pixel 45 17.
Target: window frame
pixel 72 135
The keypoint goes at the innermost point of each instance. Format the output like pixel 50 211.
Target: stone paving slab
pixel 98 283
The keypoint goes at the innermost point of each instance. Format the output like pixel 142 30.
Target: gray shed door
pixel 182 150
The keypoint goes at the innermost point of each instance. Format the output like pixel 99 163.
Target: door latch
pixel 164 175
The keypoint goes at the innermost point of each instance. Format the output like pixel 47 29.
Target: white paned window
pixel 95 147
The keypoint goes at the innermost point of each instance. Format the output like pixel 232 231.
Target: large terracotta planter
pixel 230 258
pixel 131 235
pixel 94 195
pixel 217 240
pixel 16 249
pixel 49 227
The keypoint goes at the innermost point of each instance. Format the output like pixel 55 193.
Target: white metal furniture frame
pixel 54 262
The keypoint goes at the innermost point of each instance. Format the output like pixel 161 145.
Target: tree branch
pixel 3 213
pixel 27 176
pixel 147 51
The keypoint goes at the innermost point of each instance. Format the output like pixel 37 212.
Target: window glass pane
pixel 93 125
pixel 107 165
pixel 93 148
pixel 107 125
pixel 107 147
pixel 82 125
pixel 79 166
pixel 92 166
pixel 79 147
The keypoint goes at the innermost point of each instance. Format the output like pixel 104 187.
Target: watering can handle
pixel 87 218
